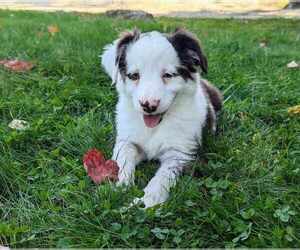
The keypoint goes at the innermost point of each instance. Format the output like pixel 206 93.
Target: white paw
pixel 4 248
pixel 125 179
pixel 151 200
pixel 155 194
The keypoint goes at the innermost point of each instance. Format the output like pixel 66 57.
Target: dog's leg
pixel 127 155
pixel 157 190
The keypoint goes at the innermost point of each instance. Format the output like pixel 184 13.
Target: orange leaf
pixel 52 29
pixel 17 65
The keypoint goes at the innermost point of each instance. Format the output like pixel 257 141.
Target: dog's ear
pixel 113 58
pixel 126 38
pixel 189 50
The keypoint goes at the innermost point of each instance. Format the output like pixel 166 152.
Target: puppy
pixel 163 105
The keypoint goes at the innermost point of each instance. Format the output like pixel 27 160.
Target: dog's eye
pixel 134 76
pixel 167 75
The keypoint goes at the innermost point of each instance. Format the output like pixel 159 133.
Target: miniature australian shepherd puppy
pixel 163 105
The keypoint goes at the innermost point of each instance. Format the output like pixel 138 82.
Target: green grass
pixel 248 192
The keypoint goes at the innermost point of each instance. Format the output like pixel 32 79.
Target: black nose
pixel 149 108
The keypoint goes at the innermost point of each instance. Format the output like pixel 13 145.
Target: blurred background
pixel 153 6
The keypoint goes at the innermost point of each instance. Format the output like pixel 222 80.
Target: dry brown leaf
pixel 17 65
pixel 292 65
pixel 53 29
pixel 295 110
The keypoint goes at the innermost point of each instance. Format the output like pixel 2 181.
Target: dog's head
pixel 152 68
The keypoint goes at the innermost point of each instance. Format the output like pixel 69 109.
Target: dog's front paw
pixel 125 179
pixel 150 200
pixel 155 194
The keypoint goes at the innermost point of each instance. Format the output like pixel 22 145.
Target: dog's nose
pixel 150 106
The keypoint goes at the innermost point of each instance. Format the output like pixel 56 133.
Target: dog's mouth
pixel 152 121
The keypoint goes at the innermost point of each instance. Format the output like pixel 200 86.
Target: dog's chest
pixel 180 129
pixel 169 135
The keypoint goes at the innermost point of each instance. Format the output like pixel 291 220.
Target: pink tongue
pixel 151 120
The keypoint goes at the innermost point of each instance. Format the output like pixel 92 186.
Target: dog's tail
pixel 214 95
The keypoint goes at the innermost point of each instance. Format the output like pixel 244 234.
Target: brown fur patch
pixel 211 119
pixel 125 39
pixel 189 52
pixel 214 95
pixel 138 148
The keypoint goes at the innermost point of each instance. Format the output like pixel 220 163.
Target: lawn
pixel 245 191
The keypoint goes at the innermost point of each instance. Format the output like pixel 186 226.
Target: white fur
pixel 176 138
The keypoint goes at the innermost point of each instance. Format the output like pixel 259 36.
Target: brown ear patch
pixel 214 95
pixel 126 38
pixel 189 52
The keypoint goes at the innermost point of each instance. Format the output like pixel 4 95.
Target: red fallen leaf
pixel 98 169
pixel 92 157
pixel 17 65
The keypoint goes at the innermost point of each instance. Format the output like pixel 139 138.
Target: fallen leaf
pixel 295 110
pixel 98 169
pixel 263 45
pixel 53 29
pixel 18 124
pixel 17 65
pixel 293 64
